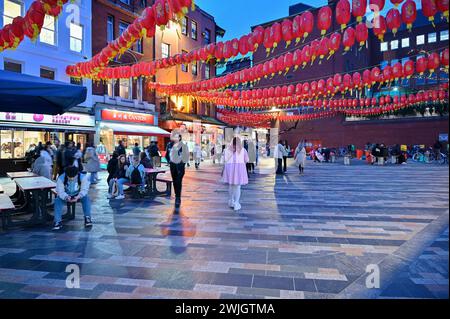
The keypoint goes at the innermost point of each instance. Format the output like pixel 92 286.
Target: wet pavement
pixel 311 236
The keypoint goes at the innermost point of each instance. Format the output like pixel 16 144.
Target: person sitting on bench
pixel 136 173
pixel 72 186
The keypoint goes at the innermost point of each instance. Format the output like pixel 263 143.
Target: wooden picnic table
pixel 36 190
pixel 152 175
pixel 6 206
pixel 16 197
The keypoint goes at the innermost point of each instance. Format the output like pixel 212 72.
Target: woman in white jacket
pixel 92 164
pixel 42 166
pixel 300 157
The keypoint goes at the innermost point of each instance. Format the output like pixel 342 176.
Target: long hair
pixel 121 165
pixel 236 145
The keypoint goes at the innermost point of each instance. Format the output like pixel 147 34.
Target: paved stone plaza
pixel 308 236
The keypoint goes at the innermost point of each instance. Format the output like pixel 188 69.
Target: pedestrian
pixel 59 161
pixel 136 150
pixel 136 173
pixel 300 157
pixel 113 167
pixel 154 154
pixel 168 150
pixel 145 160
pixel 213 153
pixel 197 155
pixel 71 187
pixel 235 172
pixel 120 178
pixel 179 156
pixel 92 163
pixel 279 153
pixel 251 150
pixel 285 155
pixel 121 148
pixel 78 157
pixel 42 166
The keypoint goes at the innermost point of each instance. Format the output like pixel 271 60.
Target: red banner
pixel 129 117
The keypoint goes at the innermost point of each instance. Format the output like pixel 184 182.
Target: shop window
pixel 19 146
pixel 432 37
pixel 444 35
pixel 184 26
pixel 383 46
pixel 165 50
pixel 194 30
pixel 110 29
pixel 76 37
pixel 48 32
pixel 47 73
pixel 6 147
pixel 12 66
pixel 420 39
pixel 11 9
pixel 125 88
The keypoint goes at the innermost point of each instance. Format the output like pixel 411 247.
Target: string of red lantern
pixel 332 85
pixel 12 34
pixel 159 14
pixel 298 27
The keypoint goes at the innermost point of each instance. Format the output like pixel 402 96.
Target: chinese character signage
pixel 129 117
pixel 71 119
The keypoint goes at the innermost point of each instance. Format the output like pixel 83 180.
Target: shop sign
pixel 72 119
pixel 129 117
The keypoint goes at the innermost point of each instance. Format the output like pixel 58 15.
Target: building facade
pixel 341 131
pixel 63 41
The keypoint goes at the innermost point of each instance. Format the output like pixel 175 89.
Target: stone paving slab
pixel 309 236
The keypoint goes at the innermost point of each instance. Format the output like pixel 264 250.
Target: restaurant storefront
pixel 114 125
pixel 18 131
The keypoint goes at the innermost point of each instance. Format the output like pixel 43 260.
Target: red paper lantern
pixel 375 75
pixel 324 47
pixel 234 47
pixel 376 6
pixel 306 55
pixel 444 58
pixel 297 31
pixel 393 20
pixel 442 6
pixel 349 38
pixel 433 62
pixel 258 36
pixel 324 19
pixel 387 74
pixel 429 9
pixel 243 50
pixel 161 12
pixel 396 3
pixel 335 42
pixel 347 81
pixel 268 41
pixel 286 31
pixel 356 78
pixel 409 13
pixel 276 34
pixel 314 50
pixel 307 23
pixel 408 69
pixel 343 13
pixel 16 31
pixel 288 61
pixel 397 71
pixel 359 9
pixel 362 33
pixel 421 65
pixel 379 27
pixel 297 58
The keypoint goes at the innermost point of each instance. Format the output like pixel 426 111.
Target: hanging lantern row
pixel 13 33
pixel 288 30
pixel 338 83
pixel 159 14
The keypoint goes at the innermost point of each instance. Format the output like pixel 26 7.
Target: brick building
pixel 340 131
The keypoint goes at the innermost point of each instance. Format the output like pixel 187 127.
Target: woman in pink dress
pixel 235 171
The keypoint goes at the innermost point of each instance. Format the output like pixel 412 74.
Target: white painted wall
pixel 33 56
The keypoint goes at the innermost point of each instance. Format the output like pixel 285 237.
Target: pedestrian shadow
pixel 283 192
pixel 178 228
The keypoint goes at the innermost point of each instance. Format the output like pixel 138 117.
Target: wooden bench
pixel 168 182
pixel 135 190
pixel 70 215
pixel 6 207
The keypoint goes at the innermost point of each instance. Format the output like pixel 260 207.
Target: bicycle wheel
pixel 443 159
pixel 430 158
pixel 416 157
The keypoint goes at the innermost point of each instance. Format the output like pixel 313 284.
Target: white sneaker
pixel 237 206
pixel 120 197
pixel 231 203
pixel 110 196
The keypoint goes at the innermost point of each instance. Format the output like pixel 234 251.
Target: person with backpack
pixel 145 160
pixel 136 172
pixel 92 163
pixel 136 150
pixel 72 186
pixel 118 177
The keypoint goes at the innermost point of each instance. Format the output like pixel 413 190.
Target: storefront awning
pixel 23 93
pixel 130 129
pixel 47 127
pixel 185 117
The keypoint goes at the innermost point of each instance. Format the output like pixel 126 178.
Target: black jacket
pixel 121 150
pixel 112 168
pixel 146 162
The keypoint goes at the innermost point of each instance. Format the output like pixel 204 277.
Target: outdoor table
pixel 16 197
pixel 36 190
pixel 152 174
pixel 6 205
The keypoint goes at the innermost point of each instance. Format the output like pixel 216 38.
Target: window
pixel 47 73
pixel 139 46
pixel 12 9
pixel 444 35
pixel 110 29
pixel 111 88
pixel 124 89
pixel 76 37
pixel 194 30
pixel 122 27
pixel 12 66
pixel 394 45
pixel 383 46
pixel 125 1
pixel 165 50
pixel 405 42
pixel 207 38
pixel 184 66
pixel 76 81
pixel 207 71
pixel 432 37
pixel 194 68
pixel 420 39
pixel 184 26
pixel 48 32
